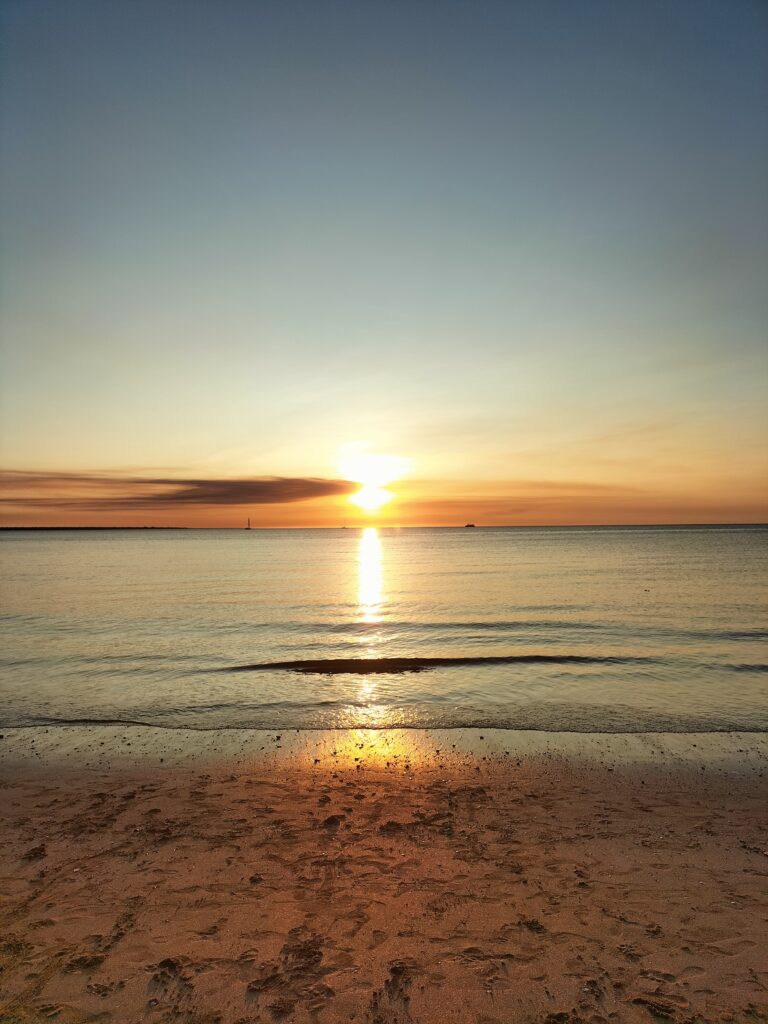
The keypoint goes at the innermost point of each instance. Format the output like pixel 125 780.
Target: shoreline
pixel 97 747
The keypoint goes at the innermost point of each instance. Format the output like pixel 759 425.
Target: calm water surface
pixel 669 625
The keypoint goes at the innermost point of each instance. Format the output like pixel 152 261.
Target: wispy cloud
pixel 111 492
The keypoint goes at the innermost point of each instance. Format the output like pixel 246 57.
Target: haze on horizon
pixel 523 245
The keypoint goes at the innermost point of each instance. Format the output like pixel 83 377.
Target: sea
pixel 579 629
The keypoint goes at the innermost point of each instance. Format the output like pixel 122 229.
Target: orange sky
pixel 118 501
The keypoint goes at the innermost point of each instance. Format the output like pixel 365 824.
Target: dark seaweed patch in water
pixel 366 666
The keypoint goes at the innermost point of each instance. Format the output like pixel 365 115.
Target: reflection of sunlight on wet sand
pixel 370 594
pixel 372 747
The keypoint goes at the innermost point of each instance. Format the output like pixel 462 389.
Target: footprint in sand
pixel 732 947
pixel 170 983
pixel 390 1004
pixel 297 977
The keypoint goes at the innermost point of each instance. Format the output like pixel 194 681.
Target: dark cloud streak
pixel 96 492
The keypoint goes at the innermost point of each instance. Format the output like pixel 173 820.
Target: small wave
pixel 718 634
pixel 460 626
pixel 554 723
pixel 335 666
pixel 489 625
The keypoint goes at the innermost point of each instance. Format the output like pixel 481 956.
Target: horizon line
pixel 397 526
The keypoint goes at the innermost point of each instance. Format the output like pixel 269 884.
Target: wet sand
pixel 382 877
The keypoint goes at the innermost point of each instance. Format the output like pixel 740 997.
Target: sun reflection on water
pixel 369 713
pixel 370 597
pixel 370 593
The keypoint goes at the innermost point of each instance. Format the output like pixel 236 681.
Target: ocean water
pixel 659 629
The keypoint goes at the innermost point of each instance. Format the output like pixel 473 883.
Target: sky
pixel 522 246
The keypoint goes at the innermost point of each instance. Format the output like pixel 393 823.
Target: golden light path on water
pixel 370 591
pixel 370 733
pixel 370 596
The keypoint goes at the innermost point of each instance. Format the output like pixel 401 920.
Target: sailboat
pixel 249 525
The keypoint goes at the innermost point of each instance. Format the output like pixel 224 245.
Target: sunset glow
pixel 374 472
pixel 371 499
pixel 534 265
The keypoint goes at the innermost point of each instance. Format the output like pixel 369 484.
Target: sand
pixel 277 878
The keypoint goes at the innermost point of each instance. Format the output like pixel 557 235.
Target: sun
pixel 373 472
pixel 371 499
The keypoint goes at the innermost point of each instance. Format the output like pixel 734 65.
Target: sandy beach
pixel 424 881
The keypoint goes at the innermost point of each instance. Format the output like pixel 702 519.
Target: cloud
pixel 106 492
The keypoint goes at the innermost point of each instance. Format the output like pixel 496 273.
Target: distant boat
pixel 249 525
pixel 469 526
